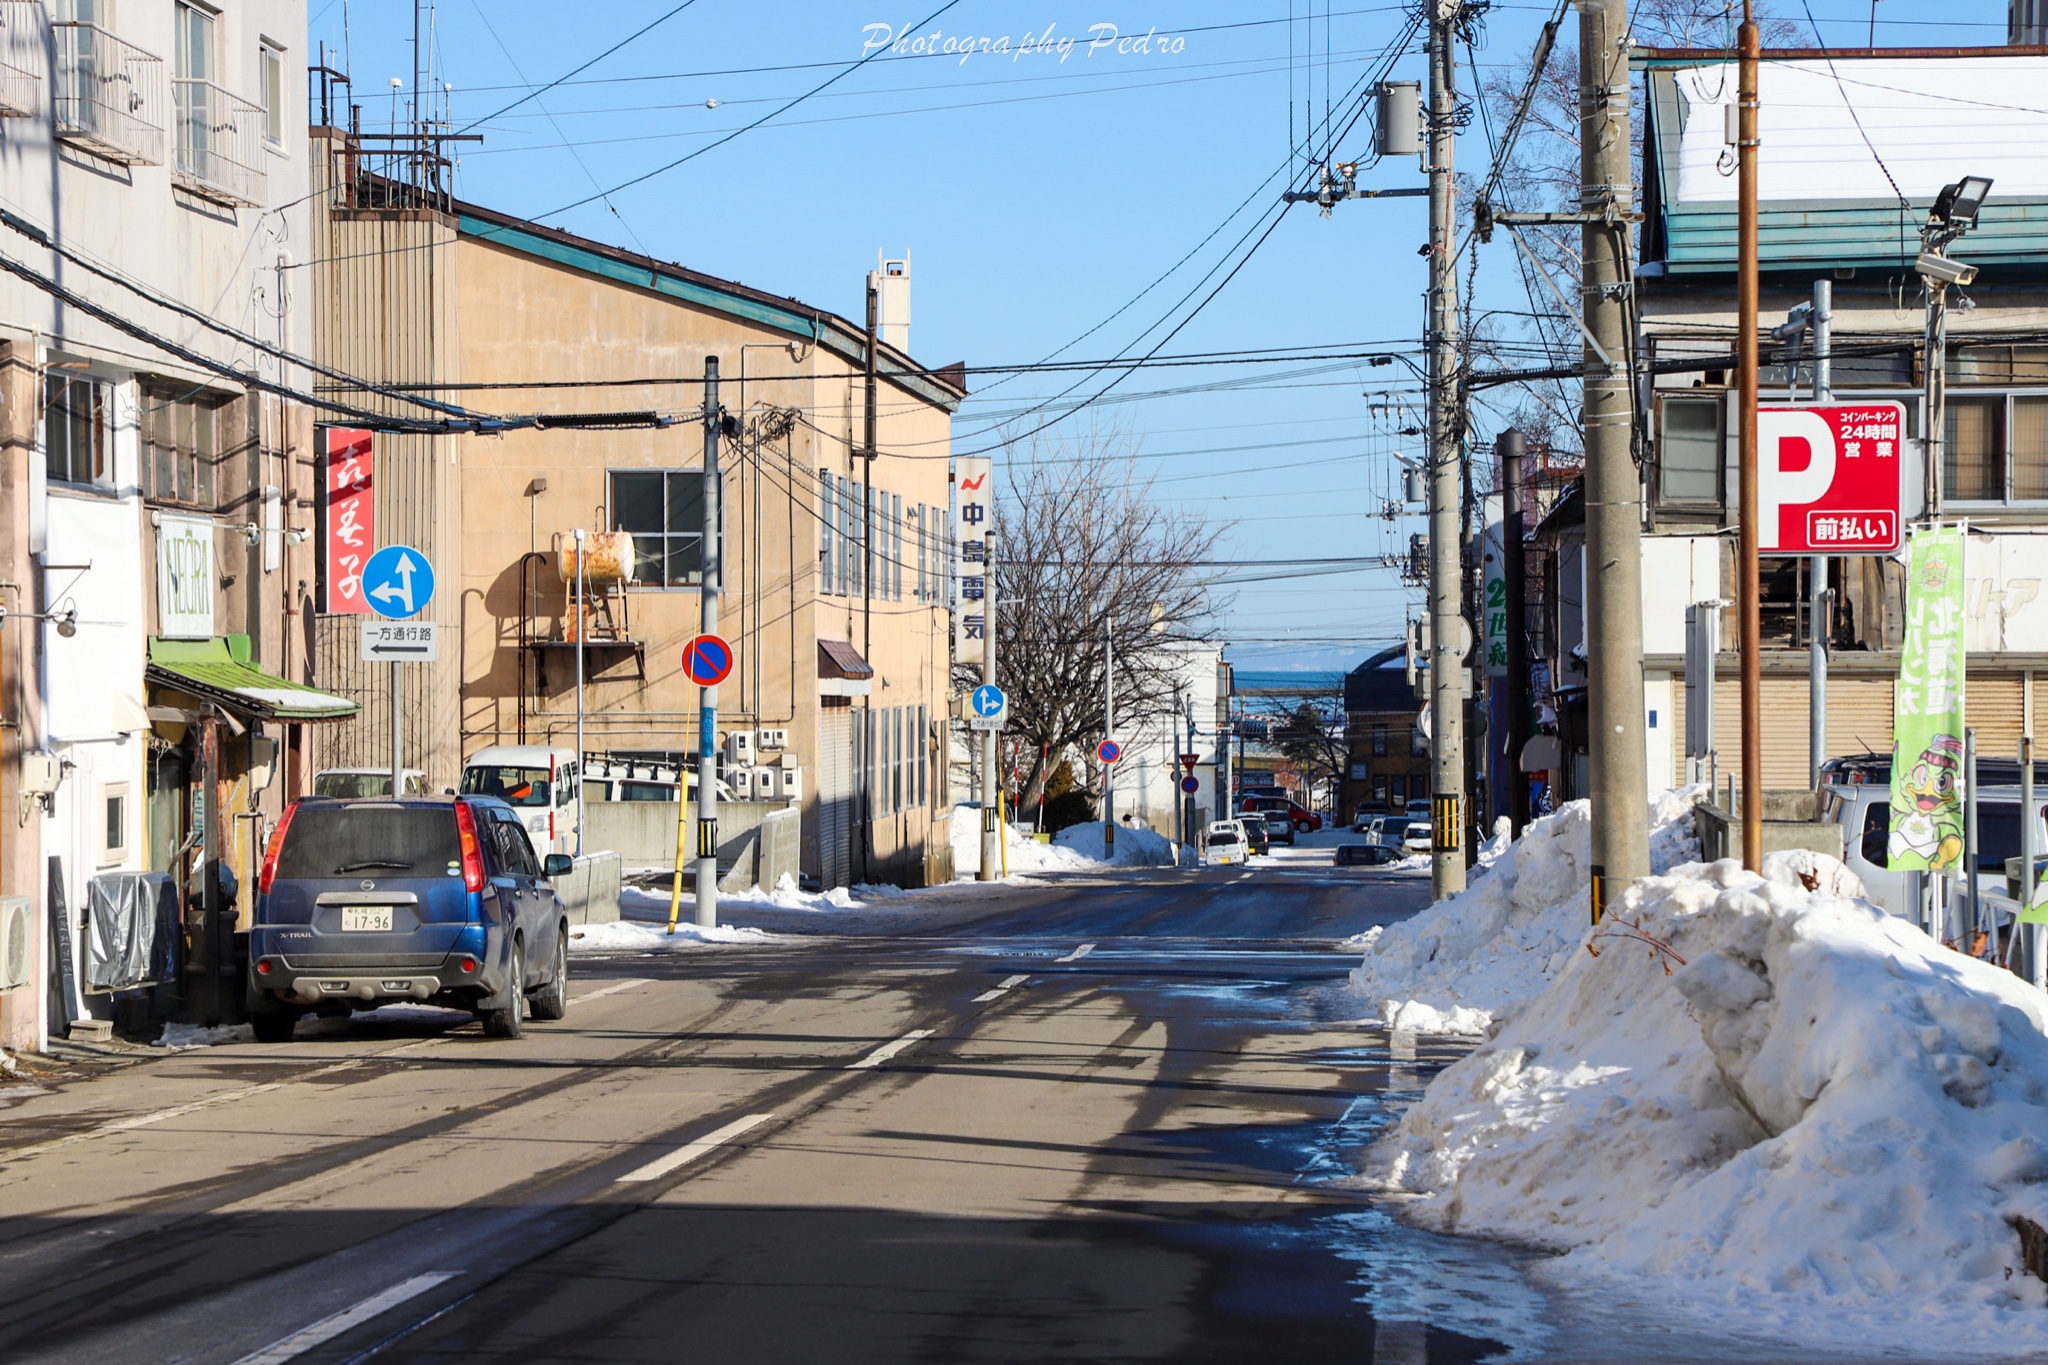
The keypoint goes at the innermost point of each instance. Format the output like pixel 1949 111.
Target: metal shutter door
pixel 835 794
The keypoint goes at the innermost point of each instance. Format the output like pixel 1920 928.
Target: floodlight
pixel 1957 204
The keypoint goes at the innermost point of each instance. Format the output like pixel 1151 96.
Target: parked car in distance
pixel 1368 855
pixel 1223 844
pixel 1279 826
pixel 1256 839
pixel 357 783
pixel 434 899
pixel 1363 816
pixel 1416 838
pixel 1302 819
pixel 1864 812
pixel 1418 808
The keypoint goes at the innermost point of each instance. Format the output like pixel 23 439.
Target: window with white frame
pixel 75 439
pixel 113 824
pixel 1689 449
pixel 271 78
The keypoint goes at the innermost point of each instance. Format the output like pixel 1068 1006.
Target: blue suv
pixel 434 899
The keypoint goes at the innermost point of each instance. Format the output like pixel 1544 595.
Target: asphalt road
pixel 1095 1119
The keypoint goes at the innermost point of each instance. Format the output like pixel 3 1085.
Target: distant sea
pixel 1249 679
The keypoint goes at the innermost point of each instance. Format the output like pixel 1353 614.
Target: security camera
pixel 1942 270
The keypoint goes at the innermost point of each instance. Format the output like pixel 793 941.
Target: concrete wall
pixel 643 834
pixel 590 892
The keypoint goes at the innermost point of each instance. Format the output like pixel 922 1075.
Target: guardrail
pixel 220 143
pixel 110 95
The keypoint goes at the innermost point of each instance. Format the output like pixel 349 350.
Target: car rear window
pixel 370 840
pixel 1222 836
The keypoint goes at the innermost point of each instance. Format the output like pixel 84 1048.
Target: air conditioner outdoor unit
pixel 741 780
pixel 792 784
pixel 739 747
pixel 16 926
pixel 773 739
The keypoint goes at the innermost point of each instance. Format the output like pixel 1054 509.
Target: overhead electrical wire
pixel 535 92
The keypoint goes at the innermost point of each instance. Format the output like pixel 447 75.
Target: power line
pixel 538 91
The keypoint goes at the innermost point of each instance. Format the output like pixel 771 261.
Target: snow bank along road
pixel 949 1137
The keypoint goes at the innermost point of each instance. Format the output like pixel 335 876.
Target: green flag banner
pixel 1927 708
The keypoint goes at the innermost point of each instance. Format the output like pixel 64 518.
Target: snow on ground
pixel 178 1037
pixel 629 936
pixel 1472 956
pixel 1778 1108
pixel 1136 845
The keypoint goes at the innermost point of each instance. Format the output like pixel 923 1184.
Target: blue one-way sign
pixel 398 581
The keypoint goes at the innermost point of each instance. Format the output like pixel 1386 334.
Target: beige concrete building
pixel 841 637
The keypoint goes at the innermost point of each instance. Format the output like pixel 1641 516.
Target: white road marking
pixel 1077 954
pixel 1008 984
pixel 601 993
pixel 689 1152
pixel 888 1050
pixel 1245 875
pixel 332 1326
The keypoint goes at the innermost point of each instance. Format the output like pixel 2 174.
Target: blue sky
pixel 1037 194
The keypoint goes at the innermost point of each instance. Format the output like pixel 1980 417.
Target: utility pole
pixel 1617 756
pixel 582 619
pixel 1820 320
pixel 867 492
pixel 1513 450
pixel 707 697
pixel 1748 590
pixel 1109 734
pixel 1451 635
pixel 991 815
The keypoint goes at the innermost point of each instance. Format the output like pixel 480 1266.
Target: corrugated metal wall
pixel 384 311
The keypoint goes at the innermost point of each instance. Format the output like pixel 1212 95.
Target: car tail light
pixel 269 873
pixel 263 969
pixel 468 965
pixel 472 852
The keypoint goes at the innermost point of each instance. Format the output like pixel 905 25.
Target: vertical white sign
pixel 973 515
pixel 184 577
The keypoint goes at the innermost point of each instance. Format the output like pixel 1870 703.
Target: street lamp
pixel 65 620
pixel 1954 213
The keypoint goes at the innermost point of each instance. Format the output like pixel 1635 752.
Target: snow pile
pixel 179 1037
pixel 1026 854
pixel 644 903
pixel 1136 845
pixel 1801 1113
pixel 1470 958
pixel 626 936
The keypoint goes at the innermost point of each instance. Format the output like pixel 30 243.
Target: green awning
pixel 218 670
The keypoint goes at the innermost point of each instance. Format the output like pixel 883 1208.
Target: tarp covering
pixel 132 930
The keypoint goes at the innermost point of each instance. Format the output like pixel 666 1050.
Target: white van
pixel 357 783
pixel 542 784
pixel 1864 812
pixel 1224 844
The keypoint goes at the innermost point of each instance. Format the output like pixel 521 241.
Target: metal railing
pixel 110 95
pixel 220 142
pixel 21 30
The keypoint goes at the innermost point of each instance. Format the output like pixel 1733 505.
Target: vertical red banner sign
pixel 349 519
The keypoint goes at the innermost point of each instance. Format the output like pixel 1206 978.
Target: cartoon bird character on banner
pixel 1933 828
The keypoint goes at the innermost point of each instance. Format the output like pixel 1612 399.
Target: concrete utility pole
pixel 991 815
pixel 1820 321
pixel 1451 636
pixel 1617 757
pixel 707 697
pixel 1748 581
pixel 867 492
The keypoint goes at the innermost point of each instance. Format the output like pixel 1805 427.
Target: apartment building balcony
pixel 110 95
pixel 21 89
pixel 220 143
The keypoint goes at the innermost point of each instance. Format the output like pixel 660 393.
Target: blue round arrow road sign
pixel 1109 751
pixel 988 700
pixel 1190 785
pixel 707 659
pixel 398 581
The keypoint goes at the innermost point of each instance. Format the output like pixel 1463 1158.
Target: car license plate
pixel 371 918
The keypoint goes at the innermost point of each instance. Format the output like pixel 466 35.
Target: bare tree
pixel 1541 174
pixel 1085 557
